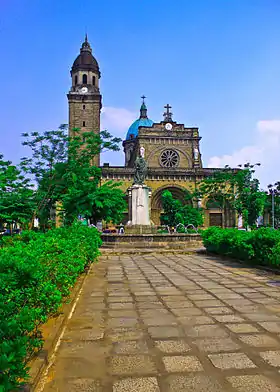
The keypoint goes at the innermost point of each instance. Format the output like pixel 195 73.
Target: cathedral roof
pixel 142 121
pixel 85 61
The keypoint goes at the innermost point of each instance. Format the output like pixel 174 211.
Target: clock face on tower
pixel 84 90
pixel 168 126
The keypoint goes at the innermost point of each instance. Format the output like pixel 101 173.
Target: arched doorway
pixel 178 193
pixel 219 215
pixel 214 211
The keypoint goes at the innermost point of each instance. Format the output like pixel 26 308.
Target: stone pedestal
pixel 139 205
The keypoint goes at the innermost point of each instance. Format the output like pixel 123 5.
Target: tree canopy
pixel 237 190
pixel 65 177
pixel 17 196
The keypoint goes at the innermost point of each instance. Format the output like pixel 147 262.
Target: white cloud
pixel 116 121
pixel 264 149
pixel 269 126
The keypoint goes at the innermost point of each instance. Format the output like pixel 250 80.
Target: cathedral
pixel 172 150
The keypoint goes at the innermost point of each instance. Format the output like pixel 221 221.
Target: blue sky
pixel 217 62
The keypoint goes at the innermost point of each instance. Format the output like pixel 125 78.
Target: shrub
pixel 263 242
pixel 274 257
pixel 36 273
pixel 259 246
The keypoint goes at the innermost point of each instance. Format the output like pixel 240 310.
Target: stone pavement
pixel 158 322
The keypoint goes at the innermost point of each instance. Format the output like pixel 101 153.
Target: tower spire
pixel 143 108
pixel 85 45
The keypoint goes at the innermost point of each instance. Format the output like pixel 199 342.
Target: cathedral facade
pixel 172 150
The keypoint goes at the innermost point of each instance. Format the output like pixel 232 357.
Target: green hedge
pixel 37 272
pixel 260 246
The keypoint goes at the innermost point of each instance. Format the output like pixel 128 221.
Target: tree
pixel 175 212
pixel 219 188
pixel 83 192
pixel 17 195
pixel 48 150
pixel 250 200
pixel 64 170
pixel 236 190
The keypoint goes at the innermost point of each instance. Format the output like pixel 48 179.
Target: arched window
pixel 76 80
pixel 84 123
pixel 93 80
pixel 84 79
pixel 84 106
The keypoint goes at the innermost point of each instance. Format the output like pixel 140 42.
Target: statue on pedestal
pixel 141 168
pixel 139 194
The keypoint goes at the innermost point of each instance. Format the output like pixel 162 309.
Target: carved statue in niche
pixel 196 154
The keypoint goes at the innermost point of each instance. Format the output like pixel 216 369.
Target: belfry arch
pixel 178 192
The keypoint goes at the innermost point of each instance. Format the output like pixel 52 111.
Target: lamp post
pixel 272 197
pixel 273 191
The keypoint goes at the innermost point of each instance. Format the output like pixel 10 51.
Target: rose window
pixel 169 158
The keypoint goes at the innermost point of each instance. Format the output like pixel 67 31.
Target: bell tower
pixel 84 98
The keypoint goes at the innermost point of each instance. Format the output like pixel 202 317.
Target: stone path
pixel 150 323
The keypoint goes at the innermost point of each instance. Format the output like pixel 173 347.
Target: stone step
pixel 152 245
pixel 119 251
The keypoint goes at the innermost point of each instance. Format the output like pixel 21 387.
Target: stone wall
pixel 163 241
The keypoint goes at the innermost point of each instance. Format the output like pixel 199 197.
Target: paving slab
pixel 253 383
pixel 180 363
pixel 147 384
pixel 158 322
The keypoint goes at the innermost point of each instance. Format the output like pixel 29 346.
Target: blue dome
pixel 143 121
pixel 133 129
